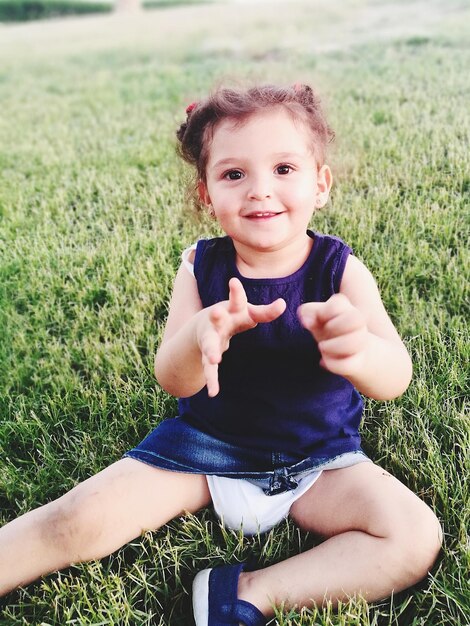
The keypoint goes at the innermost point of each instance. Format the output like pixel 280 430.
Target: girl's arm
pixel 356 337
pixel 196 338
pixel 178 359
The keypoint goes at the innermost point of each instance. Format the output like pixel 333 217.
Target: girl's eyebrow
pixel 276 156
pixel 227 161
pixel 290 155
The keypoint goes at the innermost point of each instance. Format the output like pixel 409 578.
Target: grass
pixel 92 222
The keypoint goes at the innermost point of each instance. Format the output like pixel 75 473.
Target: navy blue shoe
pixel 215 601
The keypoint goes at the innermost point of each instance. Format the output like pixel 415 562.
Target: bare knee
pixel 70 526
pixel 414 545
pixel 427 542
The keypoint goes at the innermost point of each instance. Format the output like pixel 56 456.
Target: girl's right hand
pixel 224 320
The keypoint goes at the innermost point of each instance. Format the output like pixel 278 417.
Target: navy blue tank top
pixel 273 393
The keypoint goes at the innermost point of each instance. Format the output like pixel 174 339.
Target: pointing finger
pixel 308 314
pixel 313 314
pixel 237 296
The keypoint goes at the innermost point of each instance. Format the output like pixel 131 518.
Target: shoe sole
pixel 201 598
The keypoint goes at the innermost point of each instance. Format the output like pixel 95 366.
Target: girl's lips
pixel 262 215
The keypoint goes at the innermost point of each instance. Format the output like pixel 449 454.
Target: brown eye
pixel 233 175
pixel 283 169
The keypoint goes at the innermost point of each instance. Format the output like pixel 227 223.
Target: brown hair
pixel 196 132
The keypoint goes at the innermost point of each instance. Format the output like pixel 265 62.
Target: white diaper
pixel 241 504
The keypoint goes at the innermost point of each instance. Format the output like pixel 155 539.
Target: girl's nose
pixel 260 189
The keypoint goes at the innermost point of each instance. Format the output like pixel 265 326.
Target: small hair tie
pixel 190 108
pixel 297 87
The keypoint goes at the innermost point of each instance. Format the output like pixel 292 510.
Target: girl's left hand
pixel 340 330
pixel 220 322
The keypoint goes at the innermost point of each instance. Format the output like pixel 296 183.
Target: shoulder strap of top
pixel 212 263
pixel 329 260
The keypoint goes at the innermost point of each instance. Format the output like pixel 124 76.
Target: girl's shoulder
pixel 188 256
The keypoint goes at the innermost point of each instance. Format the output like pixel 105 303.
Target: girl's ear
pixel 324 182
pixel 203 193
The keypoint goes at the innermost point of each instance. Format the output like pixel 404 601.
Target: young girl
pixel 273 332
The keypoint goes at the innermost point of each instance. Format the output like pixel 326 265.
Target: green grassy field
pixel 93 217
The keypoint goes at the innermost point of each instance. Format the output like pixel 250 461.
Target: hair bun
pixel 190 108
pixel 181 131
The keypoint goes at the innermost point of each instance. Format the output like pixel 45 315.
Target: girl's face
pixel 263 181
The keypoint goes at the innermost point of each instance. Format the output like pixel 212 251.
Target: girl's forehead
pixel 275 126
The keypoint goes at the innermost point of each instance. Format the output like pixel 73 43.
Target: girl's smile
pixel 264 183
pixel 262 215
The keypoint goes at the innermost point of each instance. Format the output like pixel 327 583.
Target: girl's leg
pixel 95 518
pixel 381 538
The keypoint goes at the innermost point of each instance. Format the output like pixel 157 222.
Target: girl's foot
pixel 215 601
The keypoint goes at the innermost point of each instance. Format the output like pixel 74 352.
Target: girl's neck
pixel 253 263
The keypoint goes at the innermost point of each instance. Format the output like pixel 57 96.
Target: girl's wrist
pixel 383 370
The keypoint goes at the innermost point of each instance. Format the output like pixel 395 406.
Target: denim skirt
pixel 177 446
